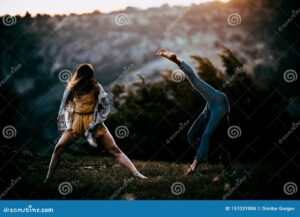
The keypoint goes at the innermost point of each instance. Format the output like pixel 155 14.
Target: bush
pixel 158 115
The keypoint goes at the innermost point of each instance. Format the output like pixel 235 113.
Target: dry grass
pixel 102 178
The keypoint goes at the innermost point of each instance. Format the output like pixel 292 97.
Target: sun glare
pixel 20 7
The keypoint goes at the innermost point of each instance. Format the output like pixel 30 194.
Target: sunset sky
pixel 14 7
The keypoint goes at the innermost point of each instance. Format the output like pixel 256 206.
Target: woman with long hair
pixel 83 110
pixel 214 117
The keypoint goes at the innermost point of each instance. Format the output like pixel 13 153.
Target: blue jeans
pixel 213 117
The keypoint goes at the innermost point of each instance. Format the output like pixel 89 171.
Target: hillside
pixel 118 40
pixel 39 53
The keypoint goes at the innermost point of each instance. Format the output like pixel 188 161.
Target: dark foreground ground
pixel 102 178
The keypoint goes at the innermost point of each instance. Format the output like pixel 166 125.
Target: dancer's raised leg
pixel 207 91
pixel 217 104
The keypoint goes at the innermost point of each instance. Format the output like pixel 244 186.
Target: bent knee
pixel 220 98
pixel 221 105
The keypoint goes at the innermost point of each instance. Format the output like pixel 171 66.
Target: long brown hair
pixel 83 79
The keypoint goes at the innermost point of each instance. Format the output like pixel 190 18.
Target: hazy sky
pixel 13 7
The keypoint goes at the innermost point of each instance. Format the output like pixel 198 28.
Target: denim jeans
pixel 214 115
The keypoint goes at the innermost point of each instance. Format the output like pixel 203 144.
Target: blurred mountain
pixel 117 40
pixel 120 45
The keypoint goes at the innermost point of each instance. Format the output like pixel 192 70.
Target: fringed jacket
pixel 101 111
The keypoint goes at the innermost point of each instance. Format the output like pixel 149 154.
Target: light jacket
pixel 101 111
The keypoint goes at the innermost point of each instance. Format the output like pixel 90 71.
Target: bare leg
pixel 66 139
pixel 113 149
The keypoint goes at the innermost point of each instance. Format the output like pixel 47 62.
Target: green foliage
pixel 158 115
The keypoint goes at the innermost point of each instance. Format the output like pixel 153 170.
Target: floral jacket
pixel 101 111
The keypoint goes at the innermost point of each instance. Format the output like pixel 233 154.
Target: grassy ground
pixel 102 178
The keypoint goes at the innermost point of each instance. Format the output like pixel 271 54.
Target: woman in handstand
pixel 83 110
pixel 213 117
